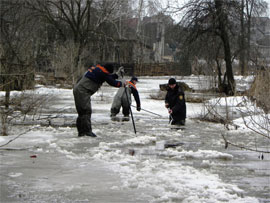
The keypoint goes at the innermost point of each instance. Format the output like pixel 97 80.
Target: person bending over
pixel 88 85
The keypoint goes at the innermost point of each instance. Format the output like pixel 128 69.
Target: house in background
pixel 148 38
pixel 154 28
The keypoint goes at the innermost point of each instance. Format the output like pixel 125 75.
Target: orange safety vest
pixel 132 84
pixel 98 66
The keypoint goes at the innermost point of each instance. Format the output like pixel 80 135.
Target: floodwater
pixel 52 177
pixel 119 165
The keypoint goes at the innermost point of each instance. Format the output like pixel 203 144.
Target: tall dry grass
pixel 260 90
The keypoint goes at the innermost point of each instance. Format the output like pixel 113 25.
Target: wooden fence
pixel 156 69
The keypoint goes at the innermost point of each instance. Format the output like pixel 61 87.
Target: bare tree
pixel 242 40
pixel 88 23
pixel 139 32
pixel 249 9
pixel 63 61
pixel 212 17
pixel 17 52
pixel 16 47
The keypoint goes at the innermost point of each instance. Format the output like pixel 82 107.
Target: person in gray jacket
pixel 123 99
pixel 86 87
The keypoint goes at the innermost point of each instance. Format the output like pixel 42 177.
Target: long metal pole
pixel 147 111
pixel 130 112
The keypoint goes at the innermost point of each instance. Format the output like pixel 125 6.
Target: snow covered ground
pixel 51 164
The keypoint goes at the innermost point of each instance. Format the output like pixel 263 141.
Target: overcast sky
pixel 268 1
pixel 164 3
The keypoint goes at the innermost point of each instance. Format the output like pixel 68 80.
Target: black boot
pixel 90 134
pixel 125 118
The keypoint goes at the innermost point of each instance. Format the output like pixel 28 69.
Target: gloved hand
pixel 138 108
pixel 120 72
pixel 124 83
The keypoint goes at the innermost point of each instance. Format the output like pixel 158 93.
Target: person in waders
pixel 123 99
pixel 88 85
pixel 175 103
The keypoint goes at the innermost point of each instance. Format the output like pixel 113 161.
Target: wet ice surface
pixel 54 178
pixel 119 166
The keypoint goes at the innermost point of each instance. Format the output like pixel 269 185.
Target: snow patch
pixel 14 175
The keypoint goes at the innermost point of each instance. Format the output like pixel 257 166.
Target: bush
pixel 260 90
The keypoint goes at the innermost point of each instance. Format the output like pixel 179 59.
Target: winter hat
pixel 172 81
pixel 109 67
pixel 134 78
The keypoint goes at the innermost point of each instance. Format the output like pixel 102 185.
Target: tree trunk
pixel 219 73
pixel 242 47
pixel 249 10
pixel 227 53
pixel 7 98
pixel 139 34
pixel 222 20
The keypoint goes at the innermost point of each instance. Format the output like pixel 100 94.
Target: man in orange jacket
pixel 86 87
pixel 123 99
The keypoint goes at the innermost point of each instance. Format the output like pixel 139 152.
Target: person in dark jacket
pixel 123 98
pixel 175 103
pixel 86 87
